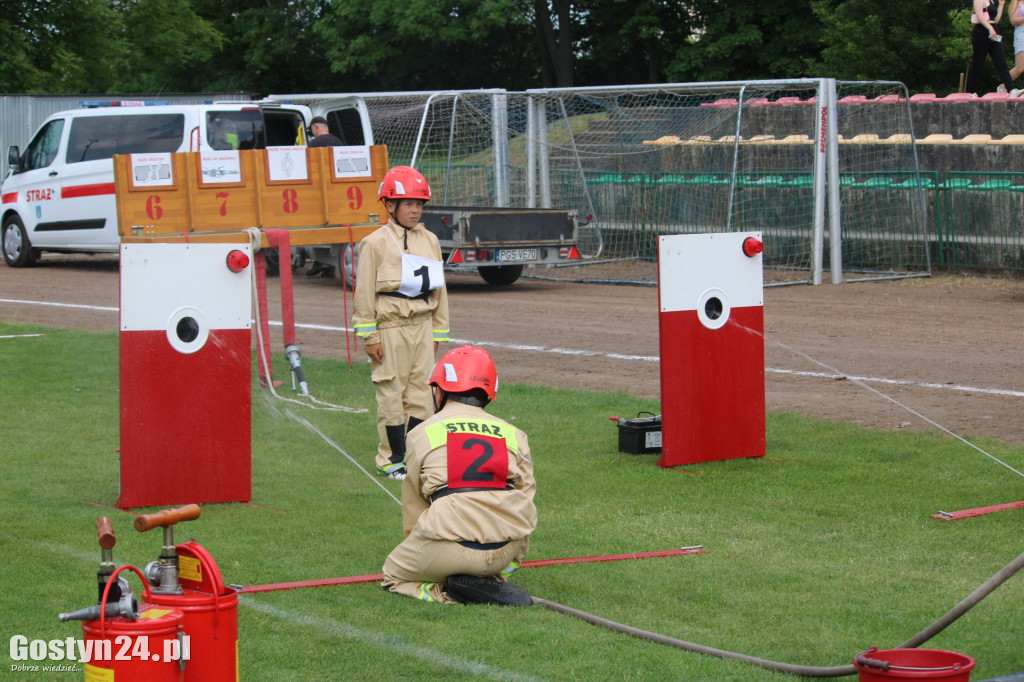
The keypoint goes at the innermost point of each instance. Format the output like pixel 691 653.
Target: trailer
pixel 496 243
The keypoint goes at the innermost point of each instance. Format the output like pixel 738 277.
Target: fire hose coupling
pixel 291 351
pixel 126 607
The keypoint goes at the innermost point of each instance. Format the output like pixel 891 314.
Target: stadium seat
pixel 899 138
pixel 958 97
pixel 997 184
pixel 937 138
pixel 876 183
pixel 977 138
pixel 924 97
pixel 864 138
pixel 725 102
pixel 1009 139
pixel 797 139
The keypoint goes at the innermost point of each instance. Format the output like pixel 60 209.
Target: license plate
pixel 506 255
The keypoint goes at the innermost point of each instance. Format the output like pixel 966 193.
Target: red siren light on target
pixel 237 261
pixel 752 246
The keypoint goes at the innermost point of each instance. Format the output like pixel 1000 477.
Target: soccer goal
pixel 793 159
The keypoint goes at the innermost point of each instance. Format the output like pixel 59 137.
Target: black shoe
pixel 474 589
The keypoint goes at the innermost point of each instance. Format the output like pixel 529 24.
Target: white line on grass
pixel 387 641
pixel 610 356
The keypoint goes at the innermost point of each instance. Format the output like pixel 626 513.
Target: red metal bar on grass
pixel 358 579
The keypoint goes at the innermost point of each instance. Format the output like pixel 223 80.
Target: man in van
pixel 222 135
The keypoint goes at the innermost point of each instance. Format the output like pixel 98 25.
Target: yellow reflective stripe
pixel 437 431
pixel 442 334
pixel 424 594
pixel 365 328
pixel 511 568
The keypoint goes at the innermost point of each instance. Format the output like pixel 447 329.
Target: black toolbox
pixel 640 436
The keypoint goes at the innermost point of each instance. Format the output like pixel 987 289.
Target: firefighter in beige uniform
pixel 401 312
pixel 467 501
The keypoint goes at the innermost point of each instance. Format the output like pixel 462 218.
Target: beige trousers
pixel 400 381
pixel 419 566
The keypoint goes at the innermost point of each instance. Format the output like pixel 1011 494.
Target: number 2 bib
pixel 476 461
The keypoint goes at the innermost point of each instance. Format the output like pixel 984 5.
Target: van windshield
pixel 100 137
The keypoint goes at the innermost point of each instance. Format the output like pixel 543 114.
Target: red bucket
pixel 913 664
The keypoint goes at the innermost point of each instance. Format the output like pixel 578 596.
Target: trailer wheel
pixel 18 251
pixel 348 260
pixel 273 260
pixel 500 275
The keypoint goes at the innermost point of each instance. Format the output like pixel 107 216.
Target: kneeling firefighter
pixel 467 499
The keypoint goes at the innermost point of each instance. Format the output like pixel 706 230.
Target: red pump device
pixel 185 628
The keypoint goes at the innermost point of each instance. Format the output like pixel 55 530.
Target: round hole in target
pixel 713 309
pixel 187 330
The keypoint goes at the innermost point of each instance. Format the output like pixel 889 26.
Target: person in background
pixel 986 41
pixel 401 312
pixel 467 501
pixel 1017 19
pixel 222 134
pixel 321 136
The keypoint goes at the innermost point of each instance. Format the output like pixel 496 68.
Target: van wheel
pixel 501 275
pixel 18 252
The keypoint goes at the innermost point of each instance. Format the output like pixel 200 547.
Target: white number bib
pixel 420 275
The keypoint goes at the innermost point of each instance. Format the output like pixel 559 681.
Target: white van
pixel 59 193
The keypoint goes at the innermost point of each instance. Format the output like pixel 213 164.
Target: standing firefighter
pixel 467 502
pixel 401 312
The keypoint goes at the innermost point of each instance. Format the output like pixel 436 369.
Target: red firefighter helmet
pixel 403 182
pixel 464 369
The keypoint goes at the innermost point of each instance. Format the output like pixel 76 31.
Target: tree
pixel 54 46
pixel 926 49
pixel 625 41
pixel 427 44
pixel 747 41
pixel 165 45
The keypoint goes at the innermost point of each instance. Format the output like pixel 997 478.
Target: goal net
pixel 638 162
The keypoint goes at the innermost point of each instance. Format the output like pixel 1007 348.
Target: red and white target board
pixel 712 347
pixel 185 366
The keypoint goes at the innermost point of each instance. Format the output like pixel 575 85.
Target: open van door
pixel 347 116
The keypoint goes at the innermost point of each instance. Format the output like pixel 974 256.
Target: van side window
pixel 100 137
pixel 41 151
pixel 235 129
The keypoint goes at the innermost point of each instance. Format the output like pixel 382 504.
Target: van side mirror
pixel 14 158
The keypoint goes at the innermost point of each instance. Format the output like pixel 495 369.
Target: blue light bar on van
pixel 92 104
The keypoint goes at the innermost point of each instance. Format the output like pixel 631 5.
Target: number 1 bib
pixel 420 275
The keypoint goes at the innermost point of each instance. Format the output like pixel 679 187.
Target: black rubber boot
pixel 413 423
pixel 396 439
pixel 471 588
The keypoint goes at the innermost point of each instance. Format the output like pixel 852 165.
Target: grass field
pixel 813 554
